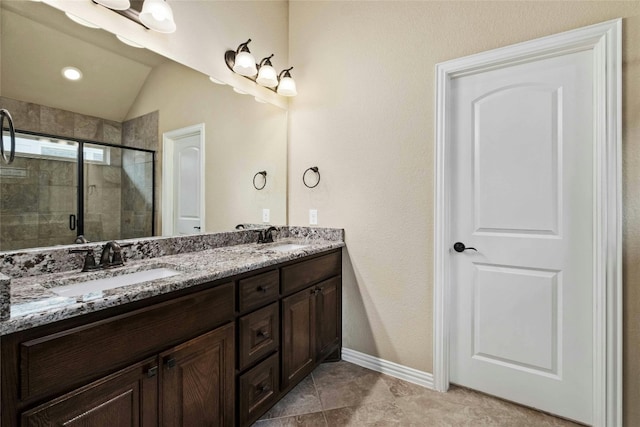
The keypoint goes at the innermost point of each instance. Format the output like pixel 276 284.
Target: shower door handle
pixel 72 222
pixel 4 114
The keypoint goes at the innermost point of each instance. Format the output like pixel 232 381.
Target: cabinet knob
pixel 152 371
pixel 262 289
pixel 170 362
pixel 264 334
pixel 263 387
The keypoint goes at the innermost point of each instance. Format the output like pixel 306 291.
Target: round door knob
pixel 460 247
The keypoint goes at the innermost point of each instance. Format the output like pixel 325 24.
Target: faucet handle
pixel 89 259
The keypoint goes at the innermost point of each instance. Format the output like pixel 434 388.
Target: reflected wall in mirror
pixel 126 97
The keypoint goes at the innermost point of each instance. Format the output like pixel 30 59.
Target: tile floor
pixel 344 394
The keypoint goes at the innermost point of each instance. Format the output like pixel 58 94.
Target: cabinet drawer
pixel 71 358
pixel 258 290
pixel 259 335
pixel 258 390
pixel 300 275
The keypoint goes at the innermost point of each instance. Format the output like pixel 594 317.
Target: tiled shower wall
pixel 137 175
pixel 37 195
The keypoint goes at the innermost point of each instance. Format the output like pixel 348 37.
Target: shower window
pixel 59 188
pixel 36 147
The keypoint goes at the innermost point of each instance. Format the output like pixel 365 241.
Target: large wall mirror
pixel 90 152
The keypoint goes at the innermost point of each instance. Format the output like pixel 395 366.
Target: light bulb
pixel 245 64
pixel 267 76
pixel 158 16
pixel 71 73
pixel 287 87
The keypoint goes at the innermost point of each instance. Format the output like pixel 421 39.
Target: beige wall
pixel 242 138
pixel 365 116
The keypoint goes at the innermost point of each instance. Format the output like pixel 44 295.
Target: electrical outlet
pixel 313 217
pixel 265 215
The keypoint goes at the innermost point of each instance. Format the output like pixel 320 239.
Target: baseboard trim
pixel 424 379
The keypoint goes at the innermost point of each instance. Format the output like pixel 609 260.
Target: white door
pixel 522 147
pixel 186 195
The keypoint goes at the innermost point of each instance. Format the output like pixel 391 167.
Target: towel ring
pixel 264 176
pixel 304 177
pixel 12 135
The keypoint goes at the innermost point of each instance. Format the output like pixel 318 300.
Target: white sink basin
pixel 286 247
pixel 96 286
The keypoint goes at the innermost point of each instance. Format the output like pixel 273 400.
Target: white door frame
pixel 168 144
pixel 605 41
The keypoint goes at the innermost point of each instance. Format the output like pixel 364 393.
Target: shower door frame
pixel 80 174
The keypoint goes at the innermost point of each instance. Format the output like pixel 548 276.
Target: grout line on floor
pixel 315 387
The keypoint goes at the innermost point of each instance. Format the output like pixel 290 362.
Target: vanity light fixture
pixel 287 86
pixel 154 15
pixel 72 73
pixel 240 91
pixel 80 21
pixel 267 75
pixel 242 62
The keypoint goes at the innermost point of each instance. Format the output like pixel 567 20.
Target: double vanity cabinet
pixel 216 354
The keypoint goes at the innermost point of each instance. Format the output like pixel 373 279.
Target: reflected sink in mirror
pixel 93 288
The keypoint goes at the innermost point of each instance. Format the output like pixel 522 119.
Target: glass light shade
pixel 245 64
pixel 80 21
pixel 287 87
pixel 115 4
pixel 240 91
pixel 267 76
pixel 158 16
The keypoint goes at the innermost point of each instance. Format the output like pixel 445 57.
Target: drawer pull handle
pixel 264 334
pixel 263 388
pixel 262 289
pixel 170 362
pixel 152 371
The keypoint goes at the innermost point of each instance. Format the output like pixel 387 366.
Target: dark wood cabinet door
pixel 298 336
pixel 197 381
pixel 258 389
pixel 126 398
pixel 328 316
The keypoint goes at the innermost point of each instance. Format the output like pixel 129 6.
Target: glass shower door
pixel 118 192
pixel 38 194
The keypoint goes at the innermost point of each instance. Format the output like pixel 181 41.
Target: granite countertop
pixel 33 303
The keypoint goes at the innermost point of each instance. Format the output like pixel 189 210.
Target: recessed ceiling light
pixel 240 91
pixel 72 73
pixel 80 21
pixel 216 81
pixel 129 42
